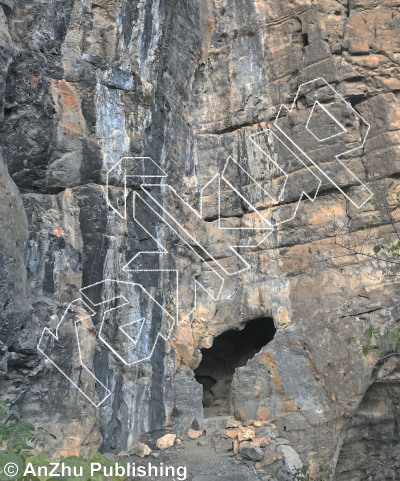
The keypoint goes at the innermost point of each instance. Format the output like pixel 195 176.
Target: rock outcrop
pixel 85 83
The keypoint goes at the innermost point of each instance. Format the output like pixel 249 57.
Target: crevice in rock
pixel 230 350
pixel 234 128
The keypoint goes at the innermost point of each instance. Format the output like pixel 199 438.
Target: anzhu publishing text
pixel 55 470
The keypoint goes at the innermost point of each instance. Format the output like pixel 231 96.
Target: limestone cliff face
pixel 84 83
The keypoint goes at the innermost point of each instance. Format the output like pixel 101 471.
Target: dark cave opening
pixel 230 350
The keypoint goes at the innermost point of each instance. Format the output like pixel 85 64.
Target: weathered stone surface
pixel 223 445
pixel 245 434
pixel 186 404
pixel 251 451
pixel 248 423
pixel 271 455
pixel 263 441
pixel 232 423
pixel 230 433
pixel 83 84
pixel 372 425
pixel 6 50
pixel 292 459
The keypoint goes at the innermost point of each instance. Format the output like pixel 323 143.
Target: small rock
pixel 263 431
pixel 195 425
pixel 258 465
pixel 223 445
pixel 166 441
pixel 291 457
pixel 262 442
pixel 270 455
pixel 202 442
pixel 111 456
pixel 251 452
pixel 230 433
pixel 266 431
pixel 178 441
pixel 236 446
pixel 281 441
pixel 124 454
pixel 257 424
pixel 232 423
pixel 250 422
pixel 142 450
pixel 246 434
pixel 194 434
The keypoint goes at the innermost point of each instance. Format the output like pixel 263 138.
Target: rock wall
pixel 84 83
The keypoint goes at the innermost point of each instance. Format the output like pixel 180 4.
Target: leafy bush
pixel 16 434
pixel 16 445
pixel 16 439
pixel 376 341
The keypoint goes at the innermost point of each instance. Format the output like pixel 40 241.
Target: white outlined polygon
pixel 55 338
pixel 343 129
pixel 179 230
pixel 120 306
pixel 127 173
pixel 148 175
pixel 292 110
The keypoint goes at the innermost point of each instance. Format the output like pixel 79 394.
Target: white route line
pixel 292 109
pixel 55 336
pixel 303 193
pixel 123 166
pixel 106 301
pixel 344 130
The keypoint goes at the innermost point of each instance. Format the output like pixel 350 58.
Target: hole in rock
pixel 230 350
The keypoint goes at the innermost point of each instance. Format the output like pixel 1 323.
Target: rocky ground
pixel 226 450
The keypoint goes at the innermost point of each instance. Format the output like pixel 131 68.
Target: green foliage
pixel 393 250
pixel 16 445
pixel 16 439
pixel 16 436
pixel 377 342
pixel 10 458
pixel 40 460
pixel 387 205
pixel 99 458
